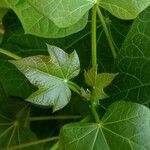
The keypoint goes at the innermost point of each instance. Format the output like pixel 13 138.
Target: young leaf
pixel 50 74
pixel 14 128
pixel 37 24
pixel 124 123
pixel 124 9
pixel 98 82
pixel 63 13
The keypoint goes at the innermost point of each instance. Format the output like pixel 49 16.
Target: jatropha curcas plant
pixel 74 74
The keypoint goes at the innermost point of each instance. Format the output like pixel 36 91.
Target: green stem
pixel 86 119
pixel 33 143
pixel 10 54
pixel 55 146
pixel 94 112
pixel 106 32
pixel 93 37
pixel 74 87
pixel 44 118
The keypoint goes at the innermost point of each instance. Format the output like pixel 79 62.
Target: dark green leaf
pixel 2 13
pixel 15 84
pixel 14 125
pixel 133 83
pixel 124 126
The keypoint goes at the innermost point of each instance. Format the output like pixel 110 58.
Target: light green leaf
pixel 124 9
pixel 37 24
pixel 125 126
pixel 50 74
pixel 98 82
pixel 14 128
pixel 63 13
pixel 3 3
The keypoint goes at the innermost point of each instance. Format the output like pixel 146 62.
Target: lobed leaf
pixel 38 24
pixel 133 83
pixel 125 123
pixel 50 74
pixel 14 123
pixel 63 13
pixel 98 82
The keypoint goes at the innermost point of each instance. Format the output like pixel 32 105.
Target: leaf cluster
pixel 74 74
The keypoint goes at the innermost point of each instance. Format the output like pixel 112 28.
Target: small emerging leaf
pixel 50 74
pixel 98 82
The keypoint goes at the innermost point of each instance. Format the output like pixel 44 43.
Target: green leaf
pixel 14 83
pixel 98 82
pixel 3 3
pixel 124 9
pixel 27 45
pixel 50 74
pixel 31 45
pixel 37 24
pixel 133 83
pixel 14 128
pixel 63 13
pixel 124 126
pixel 2 13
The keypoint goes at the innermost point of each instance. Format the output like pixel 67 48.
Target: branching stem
pixel 44 118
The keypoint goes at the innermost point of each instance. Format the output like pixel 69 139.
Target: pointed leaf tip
pixel 49 74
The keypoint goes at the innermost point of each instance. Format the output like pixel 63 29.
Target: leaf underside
pixel 50 74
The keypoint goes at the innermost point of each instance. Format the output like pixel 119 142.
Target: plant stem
pixel 93 37
pixel 10 54
pixel 106 32
pixel 94 112
pixel 33 143
pixel 55 146
pixel 86 119
pixel 44 118
pixel 74 87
